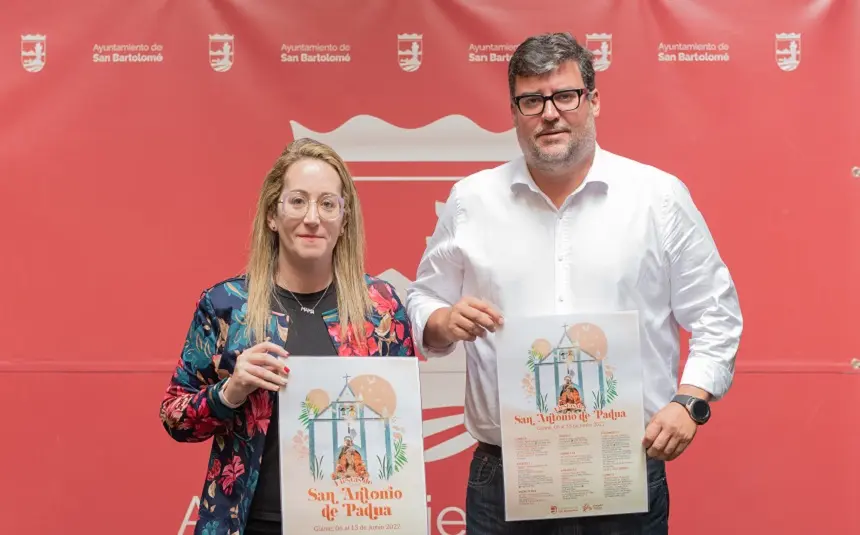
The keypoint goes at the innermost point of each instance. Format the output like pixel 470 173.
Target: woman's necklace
pixel 305 309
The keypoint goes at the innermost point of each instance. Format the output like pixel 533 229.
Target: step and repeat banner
pixel 134 137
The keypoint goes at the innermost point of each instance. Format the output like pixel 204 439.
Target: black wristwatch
pixel 699 409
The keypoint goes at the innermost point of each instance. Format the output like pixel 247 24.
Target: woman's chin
pixel 312 254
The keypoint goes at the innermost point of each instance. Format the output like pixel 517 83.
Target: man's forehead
pixel 566 74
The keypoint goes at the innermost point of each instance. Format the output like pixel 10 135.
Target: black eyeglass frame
pixel 579 92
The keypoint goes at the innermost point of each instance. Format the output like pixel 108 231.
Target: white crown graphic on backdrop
pixel 222 50
pixel 787 50
pixel 600 44
pixel 410 51
pixel 453 138
pixel 34 52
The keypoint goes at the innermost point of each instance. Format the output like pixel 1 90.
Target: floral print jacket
pixel 192 411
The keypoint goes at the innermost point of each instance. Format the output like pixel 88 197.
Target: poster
pixel 572 416
pixel 352 447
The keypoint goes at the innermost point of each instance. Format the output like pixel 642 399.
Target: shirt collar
pixel 598 174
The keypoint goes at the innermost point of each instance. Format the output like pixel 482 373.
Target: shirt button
pixel 560 299
pixel 560 258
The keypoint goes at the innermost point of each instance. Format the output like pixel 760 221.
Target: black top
pixel 307 335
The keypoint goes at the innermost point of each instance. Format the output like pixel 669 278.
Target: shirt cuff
pixel 710 376
pixel 419 322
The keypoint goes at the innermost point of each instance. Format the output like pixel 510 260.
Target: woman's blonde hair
pixel 353 301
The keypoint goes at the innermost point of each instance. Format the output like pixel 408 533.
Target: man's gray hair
pixel 543 53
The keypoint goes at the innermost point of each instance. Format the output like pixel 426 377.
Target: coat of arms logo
pixel 787 51
pixel 410 51
pixel 34 50
pixel 600 44
pixel 222 50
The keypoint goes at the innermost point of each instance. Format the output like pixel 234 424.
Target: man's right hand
pixel 468 319
pixel 257 368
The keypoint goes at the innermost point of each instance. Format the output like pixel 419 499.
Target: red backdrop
pixel 132 149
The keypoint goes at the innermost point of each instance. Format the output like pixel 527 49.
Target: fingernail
pixel 286 369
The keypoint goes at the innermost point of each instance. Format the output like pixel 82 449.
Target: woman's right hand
pixel 257 368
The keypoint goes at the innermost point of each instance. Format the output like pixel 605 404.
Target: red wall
pixel 126 188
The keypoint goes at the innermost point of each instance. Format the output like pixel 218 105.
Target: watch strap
pixel 687 401
pixel 683 399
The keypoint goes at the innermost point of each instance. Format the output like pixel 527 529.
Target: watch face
pixel 700 410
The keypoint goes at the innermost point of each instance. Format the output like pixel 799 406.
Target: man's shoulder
pixel 639 177
pixel 493 179
pixel 499 176
pixel 631 168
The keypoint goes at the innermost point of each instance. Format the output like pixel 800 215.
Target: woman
pixel 304 292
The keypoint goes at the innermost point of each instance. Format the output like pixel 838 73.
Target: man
pixel 570 227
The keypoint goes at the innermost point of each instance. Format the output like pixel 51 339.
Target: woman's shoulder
pixel 230 292
pixel 384 297
pixel 377 285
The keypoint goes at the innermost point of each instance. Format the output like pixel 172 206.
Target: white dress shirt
pixel 629 238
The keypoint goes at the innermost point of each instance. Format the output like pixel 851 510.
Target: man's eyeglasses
pixel 567 100
pixel 296 205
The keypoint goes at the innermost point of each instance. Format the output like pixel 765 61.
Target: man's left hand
pixel 669 433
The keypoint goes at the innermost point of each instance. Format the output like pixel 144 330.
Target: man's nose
pixel 550 113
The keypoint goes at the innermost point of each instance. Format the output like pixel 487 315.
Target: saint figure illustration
pixel 349 462
pixel 569 400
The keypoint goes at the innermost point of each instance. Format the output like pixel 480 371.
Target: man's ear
pixel 595 102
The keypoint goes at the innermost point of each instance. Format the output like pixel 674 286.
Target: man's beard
pixel 581 142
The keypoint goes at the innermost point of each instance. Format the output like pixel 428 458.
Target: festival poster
pixel 572 416
pixel 352 447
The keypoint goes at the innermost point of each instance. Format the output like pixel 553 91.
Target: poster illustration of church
pixel 354 421
pixel 351 443
pixel 576 364
pixel 570 374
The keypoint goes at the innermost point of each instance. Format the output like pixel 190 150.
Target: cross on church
pixel 346 378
